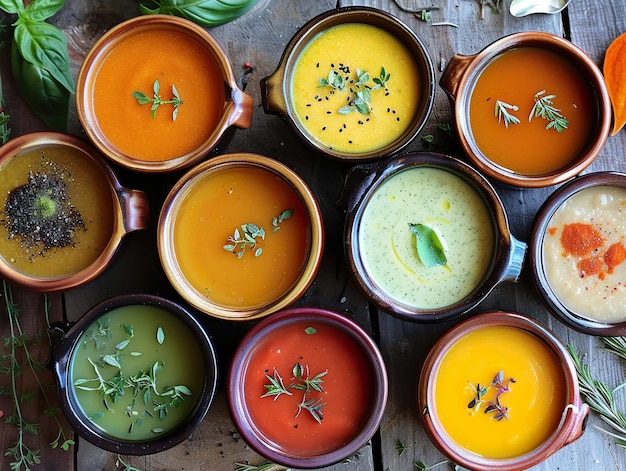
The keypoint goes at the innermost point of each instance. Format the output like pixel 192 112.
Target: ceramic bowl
pixel 577 253
pixel 345 407
pixel 240 236
pixel 139 315
pixel 344 134
pixel 144 136
pixel 64 212
pixel 531 153
pixel 519 354
pixel 446 197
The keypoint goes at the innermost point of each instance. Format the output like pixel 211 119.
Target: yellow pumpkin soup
pixel 158 94
pixel 57 211
pixel 355 88
pixel 241 235
pixel 499 392
pixel 531 111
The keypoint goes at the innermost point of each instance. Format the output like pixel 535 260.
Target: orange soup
pixel 176 60
pixel 57 211
pixel 210 236
pixel 499 392
pixel 322 353
pixel 526 143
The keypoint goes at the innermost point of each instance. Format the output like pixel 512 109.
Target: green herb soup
pixel 453 211
pixel 137 372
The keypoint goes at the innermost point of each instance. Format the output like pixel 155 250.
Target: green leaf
pixel 41 10
pixel 202 12
pixel 430 248
pixel 160 335
pixel 12 6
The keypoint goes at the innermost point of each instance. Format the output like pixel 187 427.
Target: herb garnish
pixel 543 108
pixel 251 234
pixel 157 101
pixel 429 245
pixel 503 113
pixel 493 405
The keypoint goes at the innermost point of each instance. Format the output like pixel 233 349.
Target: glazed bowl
pixel 403 211
pixel 341 405
pixel 165 388
pixel 577 253
pixel 64 212
pixel 529 404
pixel 150 113
pixel 349 103
pixel 240 236
pixel 531 109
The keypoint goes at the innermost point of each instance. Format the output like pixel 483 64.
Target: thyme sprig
pixel 251 235
pixel 504 115
pixel 157 101
pixel 543 108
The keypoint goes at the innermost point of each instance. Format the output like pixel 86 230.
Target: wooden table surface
pixel 258 39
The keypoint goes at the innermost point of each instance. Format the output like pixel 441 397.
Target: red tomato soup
pixel 317 347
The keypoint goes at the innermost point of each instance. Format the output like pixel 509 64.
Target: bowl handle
pixel 241 115
pixel 517 251
pixel 452 76
pixel 271 94
pixel 135 208
pixel 577 415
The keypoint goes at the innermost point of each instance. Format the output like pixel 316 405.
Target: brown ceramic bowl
pixel 225 243
pixel 452 199
pixel 64 212
pixel 278 89
pixel 522 349
pixel 352 404
pixel 173 137
pixel 579 272
pixel 589 112
pixel 184 340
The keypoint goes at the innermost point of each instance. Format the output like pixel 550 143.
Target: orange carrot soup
pixel 57 211
pixel 186 76
pixel 499 392
pixel 337 403
pixel 241 236
pixel 531 111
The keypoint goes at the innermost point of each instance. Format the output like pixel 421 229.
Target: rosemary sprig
pixel 267 466
pixel 276 386
pixel 504 115
pixel 157 101
pixel 314 406
pixel 543 108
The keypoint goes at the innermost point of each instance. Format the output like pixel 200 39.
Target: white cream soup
pixel 444 202
pixel 583 253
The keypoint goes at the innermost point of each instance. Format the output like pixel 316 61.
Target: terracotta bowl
pixel 314 344
pixel 521 154
pixel 523 351
pixel 448 197
pixel 138 312
pixel 64 212
pixel 240 236
pixel 167 137
pixel 278 89
pixel 577 253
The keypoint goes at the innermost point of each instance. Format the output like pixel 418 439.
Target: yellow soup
pixel 57 211
pixel 175 60
pixel 531 386
pixel 512 84
pixel 331 112
pixel 208 236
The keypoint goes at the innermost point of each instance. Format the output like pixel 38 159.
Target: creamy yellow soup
pixel 531 387
pixel 331 111
pixel 584 251
pixel 447 204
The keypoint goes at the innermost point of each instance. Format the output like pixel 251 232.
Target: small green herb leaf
pixel 430 248
pixel 160 335
pixel 310 330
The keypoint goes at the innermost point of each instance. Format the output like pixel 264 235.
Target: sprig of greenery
pixel 157 101
pixel 276 387
pixel 543 108
pixel 360 87
pixel 313 406
pixel 400 447
pixel 123 465
pixel 5 131
pixel 239 241
pixel 267 466
pixel 504 115
pixel 421 466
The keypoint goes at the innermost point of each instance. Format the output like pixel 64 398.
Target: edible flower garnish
pixel 493 405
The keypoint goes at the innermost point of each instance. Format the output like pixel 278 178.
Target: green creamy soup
pixel 448 205
pixel 137 372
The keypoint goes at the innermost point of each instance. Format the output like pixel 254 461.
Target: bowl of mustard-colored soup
pixel 354 84
pixel 427 237
pixel 499 391
pixel 577 253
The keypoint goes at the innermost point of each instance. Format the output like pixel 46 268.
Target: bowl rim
pixel 587 67
pixel 165 236
pixel 342 15
pixel 508 252
pixel 90 67
pixel 34 140
pixel 277 321
pixel 574 412
pixel 540 227
pixel 61 360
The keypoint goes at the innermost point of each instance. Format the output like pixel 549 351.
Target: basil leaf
pixel 45 96
pixel 41 10
pixel 12 6
pixel 202 12
pixel 429 247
